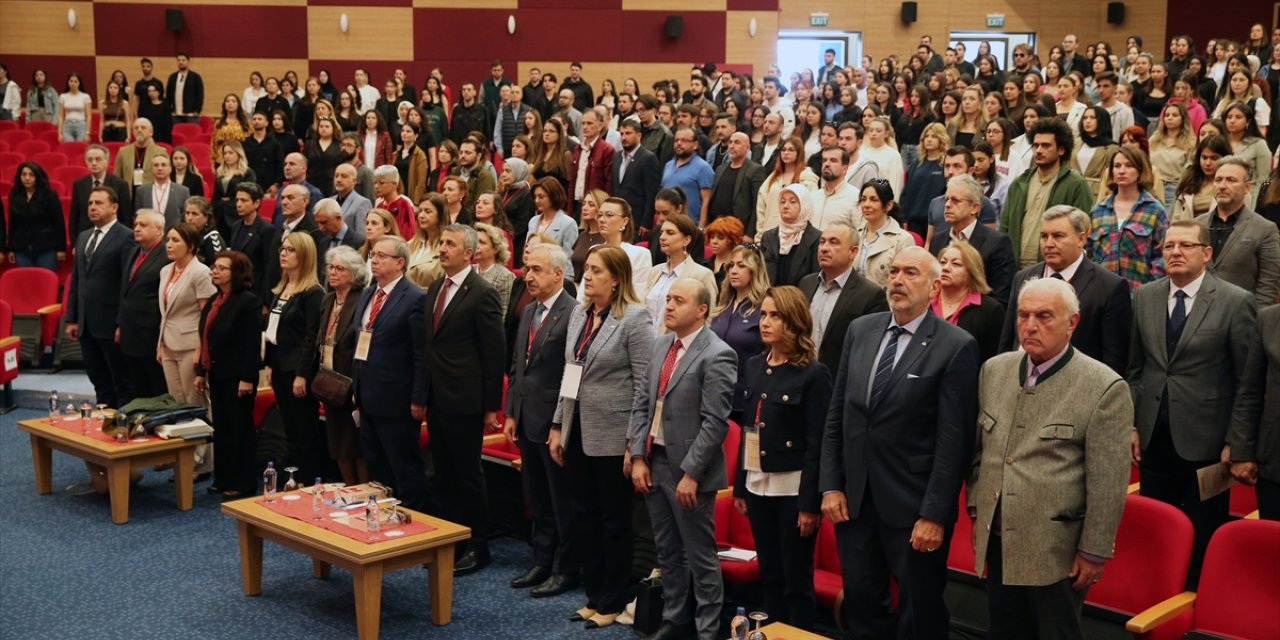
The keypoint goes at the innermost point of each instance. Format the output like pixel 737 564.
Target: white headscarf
pixel 789 234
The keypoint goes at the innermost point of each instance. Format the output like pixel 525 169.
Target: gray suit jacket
pixel 1060 481
pixel 695 409
pixel 1250 258
pixel 613 380
pixel 1255 425
pixel 178 194
pixel 536 370
pixel 1203 376
pixel 354 210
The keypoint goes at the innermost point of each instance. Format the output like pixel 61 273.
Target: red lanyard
pixel 589 336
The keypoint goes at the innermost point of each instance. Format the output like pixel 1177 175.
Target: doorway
pixel 803 49
pixel 1000 42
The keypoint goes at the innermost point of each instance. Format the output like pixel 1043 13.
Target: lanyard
pixel 588 336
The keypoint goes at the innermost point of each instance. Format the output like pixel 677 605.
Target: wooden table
pixel 781 631
pixel 119 460
pixel 366 562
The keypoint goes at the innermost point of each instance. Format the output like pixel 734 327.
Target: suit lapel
pixel 606 331
pixel 916 347
pixel 393 299
pixel 861 362
pixel 458 297
pixel 842 305
pixel 691 353
pixel 1199 309
pixel 1242 224
pixel 557 314
pixel 1158 320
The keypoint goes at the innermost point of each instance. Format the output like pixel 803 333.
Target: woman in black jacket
pixel 233 170
pixel 36 231
pixel 293 322
pixel 787 391
pixel 228 369
pixel 336 340
pixel 963 301
pixel 791 249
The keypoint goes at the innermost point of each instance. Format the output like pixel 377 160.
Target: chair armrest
pixel 49 309
pixel 12 340
pixel 726 492
pixel 1133 488
pixel 493 439
pixel 1252 516
pixel 1161 613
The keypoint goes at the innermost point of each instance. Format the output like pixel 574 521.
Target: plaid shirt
pixel 1131 251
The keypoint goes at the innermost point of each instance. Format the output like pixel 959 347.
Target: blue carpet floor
pixel 67 572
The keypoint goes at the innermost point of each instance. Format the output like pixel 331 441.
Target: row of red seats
pixel 205 126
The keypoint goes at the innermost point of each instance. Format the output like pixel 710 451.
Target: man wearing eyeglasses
pixel 1024 60
pixel 1246 246
pixel 1191 334
pixel 961 204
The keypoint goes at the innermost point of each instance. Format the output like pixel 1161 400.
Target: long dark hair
pixel 1101 136
pixel 1193 178
pixel 42 183
pixel 884 191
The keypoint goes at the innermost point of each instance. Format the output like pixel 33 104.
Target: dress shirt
pixel 1191 290
pixel 160 195
pixel 289 226
pixel 656 431
pixel 909 330
pixel 966 233
pixel 456 279
pixel 1034 371
pixel 1068 273
pixel 656 298
pixel 364 322
pixel 824 302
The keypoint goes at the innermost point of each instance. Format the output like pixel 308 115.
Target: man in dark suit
pixel 737 185
pixel 162 194
pixel 253 236
pixel 537 366
pixel 265 155
pixel 637 176
pixel 1191 335
pixel 185 92
pixel 95 158
pixel 138 323
pixel 962 204
pixel 389 378
pixel 464 391
pixel 1105 308
pixel 296 218
pixel 331 231
pixel 1255 449
pixel 93 303
pixel 837 294
pixel 895 451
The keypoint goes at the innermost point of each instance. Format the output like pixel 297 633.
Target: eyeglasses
pixel 378 255
pixel 288 250
pixel 1182 246
pixel 338 267
pixel 955 201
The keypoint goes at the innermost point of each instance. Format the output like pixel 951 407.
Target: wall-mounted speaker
pixel 675 26
pixel 1115 13
pixel 173 20
pixel 909 12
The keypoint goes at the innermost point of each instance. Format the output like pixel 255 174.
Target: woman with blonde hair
pixel 963 298
pixel 736 316
pixel 971 119
pixel 377 223
pixel 491 259
pixel 1172 142
pixel 424 259
pixel 788 170
pixel 233 170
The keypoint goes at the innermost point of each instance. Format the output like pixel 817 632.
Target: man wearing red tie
pixel 464 390
pixel 138 328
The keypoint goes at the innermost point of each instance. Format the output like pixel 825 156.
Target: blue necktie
pixel 885 368
pixel 1177 320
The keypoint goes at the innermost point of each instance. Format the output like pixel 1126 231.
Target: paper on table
pixel 1213 479
pixel 734 553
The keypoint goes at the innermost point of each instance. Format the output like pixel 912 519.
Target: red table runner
pixel 351 526
pixel 95 430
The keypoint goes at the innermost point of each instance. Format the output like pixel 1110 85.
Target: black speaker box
pixel 1115 13
pixel 909 12
pixel 675 26
pixel 173 19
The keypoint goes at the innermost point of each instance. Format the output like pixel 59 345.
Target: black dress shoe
pixel 669 631
pixel 470 562
pixel 202 477
pixel 535 576
pixel 554 586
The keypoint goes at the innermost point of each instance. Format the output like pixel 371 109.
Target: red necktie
pixel 142 255
pixel 440 300
pixel 378 298
pixel 668 367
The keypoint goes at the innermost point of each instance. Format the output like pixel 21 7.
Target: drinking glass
pixel 290 484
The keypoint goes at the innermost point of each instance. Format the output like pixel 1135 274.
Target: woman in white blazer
pixel 550 201
pixel 677 233
pixel 185 285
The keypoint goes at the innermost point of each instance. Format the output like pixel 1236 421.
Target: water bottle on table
pixel 372 513
pixel 317 498
pixel 54 405
pixel 269 482
pixel 741 625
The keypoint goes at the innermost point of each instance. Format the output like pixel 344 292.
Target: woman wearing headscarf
pixel 517 201
pixel 1092 157
pixel 791 248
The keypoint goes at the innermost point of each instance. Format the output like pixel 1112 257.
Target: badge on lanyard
pixel 362 344
pixel 326 356
pixel 571 380
pixel 751 448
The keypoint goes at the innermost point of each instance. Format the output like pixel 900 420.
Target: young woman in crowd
pixel 1195 192
pixel 789 169
pixel 117 115
pixel 35 229
pixel 1172 143
pixel 1128 226
pixel 209 242
pixel 186 173
pixel 970 121
pixel 75 111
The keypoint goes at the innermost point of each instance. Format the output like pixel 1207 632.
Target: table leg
pixel 320 569
pixel 183 476
pixel 367 581
pixel 118 482
pixel 42 462
pixel 440 580
pixel 250 559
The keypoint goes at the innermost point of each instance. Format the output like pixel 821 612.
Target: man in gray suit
pixel 354 206
pixel 1047 500
pixel 676 458
pixel 896 448
pixel 737 185
pixel 162 195
pixel 536 372
pixel 1190 336
pixel 1246 246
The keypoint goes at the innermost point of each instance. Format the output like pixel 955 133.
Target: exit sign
pixel 819 19
pixel 995 19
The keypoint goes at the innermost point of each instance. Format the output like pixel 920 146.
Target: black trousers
pixel 456 440
pixel 1050 612
pixel 390 445
pixel 1166 477
pixel 143 378
pixel 104 365
pixel 234 437
pixel 546 493
pixel 870 551
pixel 786 559
pixel 601 498
pixel 1268 499
pixel 301 420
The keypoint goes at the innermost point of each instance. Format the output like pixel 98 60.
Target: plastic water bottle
pixel 372 513
pixel 54 410
pixel 740 625
pixel 317 498
pixel 269 482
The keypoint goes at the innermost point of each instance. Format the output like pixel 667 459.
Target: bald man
pixel 737 185
pixel 295 173
pixel 133 162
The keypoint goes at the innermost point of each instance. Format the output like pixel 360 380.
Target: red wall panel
pixel 363 3
pixel 749 5
pixel 645 38
pixel 210 31
pixel 550 34
pixel 470 35
pixel 571 4
pixel 1188 17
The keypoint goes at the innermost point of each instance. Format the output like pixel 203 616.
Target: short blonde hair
pixel 972 263
pixel 497 239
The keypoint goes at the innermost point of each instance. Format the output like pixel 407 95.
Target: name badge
pixel 326 356
pixel 571 380
pixel 137 177
pixel 362 344
pixel 751 449
pixel 655 427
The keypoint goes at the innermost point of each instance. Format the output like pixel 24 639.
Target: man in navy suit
pixel 961 205
pixel 389 376
pixel 138 328
pixel 93 304
pixel 467 346
pixel 537 365
pixel 637 175
pixel 896 448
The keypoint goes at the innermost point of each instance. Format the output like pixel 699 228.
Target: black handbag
pixel 331 387
pixel 649 606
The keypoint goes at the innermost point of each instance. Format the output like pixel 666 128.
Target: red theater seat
pixel 32 294
pixel 73 150
pixel 14 136
pixel 8 125
pixel 10 352
pixel 733 529
pixel 960 554
pixel 38 128
pixel 187 130
pixel 267 209
pixel 827 581
pixel 50 160
pixel 29 148
pixel 69 173
pixel 1244 501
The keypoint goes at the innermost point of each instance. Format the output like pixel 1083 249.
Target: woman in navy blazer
pixel 293 321
pixel 736 319
pixel 228 369
pixel 788 391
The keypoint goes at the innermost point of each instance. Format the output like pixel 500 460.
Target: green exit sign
pixel 819 19
pixel 995 20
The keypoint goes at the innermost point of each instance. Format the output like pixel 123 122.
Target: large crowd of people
pixel 879 273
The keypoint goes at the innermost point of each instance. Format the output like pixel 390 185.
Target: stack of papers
pixel 736 554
